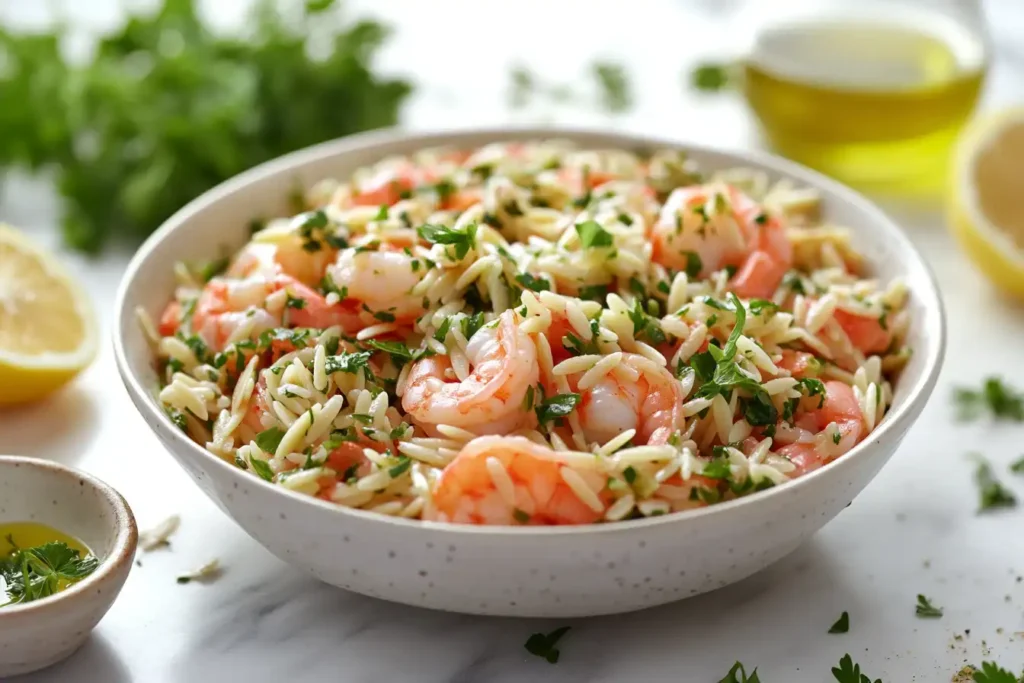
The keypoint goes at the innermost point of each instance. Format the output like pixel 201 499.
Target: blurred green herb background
pixel 166 108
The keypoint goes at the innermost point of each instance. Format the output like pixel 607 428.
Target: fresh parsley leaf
pixel 384 316
pixel 396 349
pixel 543 645
pixel 463 241
pixel 442 332
pixel 1018 466
pixel 729 350
pixel 471 324
pixel 759 306
pixel 208 270
pixel 759 410
pixel 842 624
pixel 848 672
pixel 629 474
pixel 718 468
pixel 592 235
pixel 556 407
pixel 520 516
pixel 704 365
pixel 294 302
pixel 593 292
pixel 738 674
pixel 926 609
pixel 269 439
pixel 813 387
pixel 992 494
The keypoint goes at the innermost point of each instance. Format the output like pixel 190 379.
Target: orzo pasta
pixel 533 333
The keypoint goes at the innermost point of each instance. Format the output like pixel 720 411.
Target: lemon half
pixel 47 327
pixel 986 202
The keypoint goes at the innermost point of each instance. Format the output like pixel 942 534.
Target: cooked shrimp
pixel 865 333
pixel 232 310
pixel 490 400
pixel 723 228
pixel 840 406
pixel 651 404
pixel 511 480
pixel 380 280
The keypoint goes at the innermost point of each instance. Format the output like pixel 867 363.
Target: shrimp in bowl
pixel 534 334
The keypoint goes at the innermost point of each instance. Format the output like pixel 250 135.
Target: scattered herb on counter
pixel 995 397
pixel 543 645
pixel 926 609
pixel 39 572
pixel 613 85
pixel 165 122
pixel 204 574
pixel 842 624
pixel 990 672
pixel 991 493
pixel 738 674
pixel 848 672
pixel 613 90
pixel 1018 466
pixel 160 535
pixel 710 77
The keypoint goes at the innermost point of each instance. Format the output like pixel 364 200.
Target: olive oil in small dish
pixel 37 561
pixel 873 93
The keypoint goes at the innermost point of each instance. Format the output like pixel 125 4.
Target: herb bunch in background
pixel 166 108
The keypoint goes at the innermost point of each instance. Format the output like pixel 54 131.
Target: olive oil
pixel 874 99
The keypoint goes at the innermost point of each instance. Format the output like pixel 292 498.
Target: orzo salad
pixel 534 333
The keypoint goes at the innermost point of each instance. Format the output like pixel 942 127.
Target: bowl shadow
pixel 95 661
pixel 58 428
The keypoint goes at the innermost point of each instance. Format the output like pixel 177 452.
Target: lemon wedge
pixel 47 328
pixel 986 202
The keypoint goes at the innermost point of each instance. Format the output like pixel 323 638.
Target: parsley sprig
pixel 991 493
pixel 842 624
pixel 990 672
pixel 461 240
pixel 39 572
pixel 926 609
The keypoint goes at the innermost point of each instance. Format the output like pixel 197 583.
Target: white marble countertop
pixel 914 530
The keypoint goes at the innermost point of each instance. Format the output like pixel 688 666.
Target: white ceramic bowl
pixel 554 571
pixel 43 632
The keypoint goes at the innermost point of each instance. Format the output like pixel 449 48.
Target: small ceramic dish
pixel 43 632
pixel 519 571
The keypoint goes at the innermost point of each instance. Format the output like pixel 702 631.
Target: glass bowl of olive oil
pixel 872 92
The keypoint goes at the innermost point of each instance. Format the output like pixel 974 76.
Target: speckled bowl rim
pixel 933 326
pixel 125 541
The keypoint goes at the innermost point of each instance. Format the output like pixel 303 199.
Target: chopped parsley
pixel 738 674
pixel 629 474
pixel 382 213
pixel 1018 466
pixel 842 624
pixel 536 284
pixel 261 468
pixel 178 418
pixel 269 439
pixel 461 240
pixel 693 264
pixel 926 609
pixel 759 306
pixel 593 292
pixel 294 302
pixel 522 517
pixel 384 316
pixel 592 235
pixel 442 332
pixel 404 463
pixel 848 672
pixel 556 407
pixel 992 494
pixel 995 397
pixel 347 362
pixel 646 326
pixel 543 645
pixel 837 437
pixel 208 270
